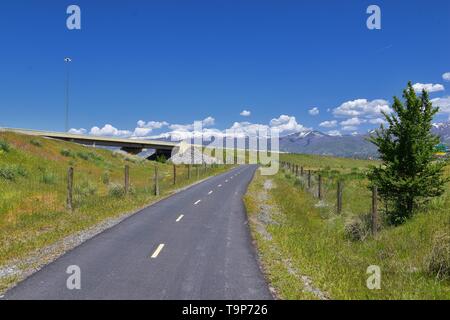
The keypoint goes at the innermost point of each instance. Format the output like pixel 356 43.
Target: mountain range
pixel 354 146
pixel 349 146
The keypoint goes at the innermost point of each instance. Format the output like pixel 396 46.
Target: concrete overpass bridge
pixel 133 146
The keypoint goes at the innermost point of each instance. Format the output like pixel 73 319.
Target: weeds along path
pixel 310 251
pixel 266 215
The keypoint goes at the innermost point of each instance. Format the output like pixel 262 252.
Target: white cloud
pixel 446 76
pixel 377 121
pixel 209 121
pixel 352 122
pixel 349 128
pixel 143 128
pixel 77 131
pixel 328 124
pixel 152 124
pixel 245 113
pixel 110 131
pixel 443 104
pixel 362 108
pixel 334 133
pixel 286 124
pixel 430 87
pixel 314 111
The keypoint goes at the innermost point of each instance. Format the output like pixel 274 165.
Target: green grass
pixel 314 239
pixel 33 184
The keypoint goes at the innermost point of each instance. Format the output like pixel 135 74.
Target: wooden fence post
pixel 301 171
pixel 339 197
pixel 156 181
pixel 127 179
pixel 309 179
pixel 70 189
pixel 174 174
pixel 319 192
pixel 374 210
pixel 189 172
pixel 296 170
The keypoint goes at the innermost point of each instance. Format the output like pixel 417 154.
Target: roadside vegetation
pixel 311 252
pixel 33 190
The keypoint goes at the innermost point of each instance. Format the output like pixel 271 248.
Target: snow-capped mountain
pixel 355 145
pixel 316 142
pixel 442 129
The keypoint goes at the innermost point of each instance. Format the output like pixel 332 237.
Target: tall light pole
pixel 67 62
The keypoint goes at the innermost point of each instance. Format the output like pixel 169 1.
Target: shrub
pixel 67 153
pixel 358 228
pixel 21 171
pixel 36 143
pixel 134 159
pixel 10 172
pixel 299 183
pixel 4 146
pixel 7 173
pixel 438 261
pixel 161 158
pixel 116 190
pixel 48 177
pixel 106 177
pixel 83 155
pixel 86 188
pixel 88 156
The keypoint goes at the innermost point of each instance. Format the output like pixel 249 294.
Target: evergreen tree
pixel 409 175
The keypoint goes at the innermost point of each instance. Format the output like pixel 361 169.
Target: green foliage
pixel 106 177
pixel 4 146
pixel 116 190
pixel 21 171
pixel 7 172
pixel 48 177
pixel 438 262
pixel 36 143
pixel 11 172
pixel 358 228
pixel 409 175
pixel 161 158
pixel 85 188
pixel 89 156
pixel 67 153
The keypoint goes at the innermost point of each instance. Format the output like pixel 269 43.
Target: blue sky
pixel 169 63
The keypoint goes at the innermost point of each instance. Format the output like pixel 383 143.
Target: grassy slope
pixel 32 207
pixel 313 239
